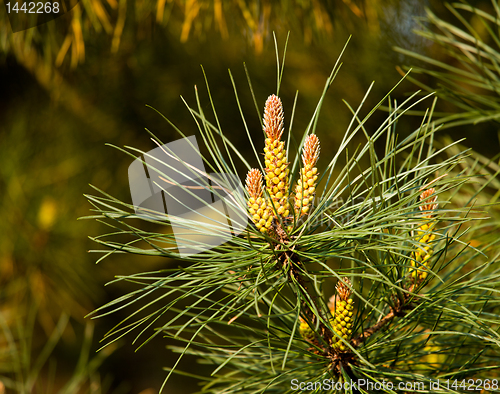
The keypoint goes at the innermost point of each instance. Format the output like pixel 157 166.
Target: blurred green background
pixel 84 79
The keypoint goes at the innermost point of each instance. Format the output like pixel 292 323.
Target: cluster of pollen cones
pixel 263 207
pixel 269 199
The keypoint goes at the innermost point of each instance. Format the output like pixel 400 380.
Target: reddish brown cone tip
pixel 344 289
pixel 254 183
pixel 273 118
pixel 311 150
pixel 428 203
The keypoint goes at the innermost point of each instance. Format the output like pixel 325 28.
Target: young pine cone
pixel 341 306
pixel 275 157
pixel 422 255
pixel 305 331
pixel 306 184
pixel 257 206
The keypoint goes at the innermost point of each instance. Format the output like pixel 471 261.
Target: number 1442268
pixel 33 8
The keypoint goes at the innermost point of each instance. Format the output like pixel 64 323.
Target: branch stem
pixel 373 329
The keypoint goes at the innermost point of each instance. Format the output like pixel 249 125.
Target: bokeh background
pixel 83 80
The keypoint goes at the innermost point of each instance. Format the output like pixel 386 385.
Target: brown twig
pixel 373 329
pixel 398 310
